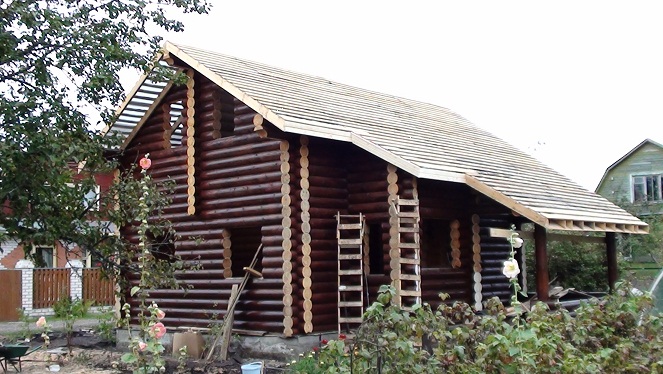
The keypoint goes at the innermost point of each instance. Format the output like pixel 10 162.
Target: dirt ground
pixel 90 353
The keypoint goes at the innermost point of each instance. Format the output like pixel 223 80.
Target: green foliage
pixel 106 327
pixel 66 308
pixel 59 65
pixel 572 265
pixel 70 311
pixel 612 335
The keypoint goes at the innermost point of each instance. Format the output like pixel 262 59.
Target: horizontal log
pixel 324 181
pixel 259 168
pixel 328 192
pixel 244 180
pixel 241 211
pixel 371 207
pixel 219 195
pixel 236 202
pixel 241 107
pixel 200 228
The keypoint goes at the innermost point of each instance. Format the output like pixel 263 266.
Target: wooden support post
pixel 476 258
pixel 541 256
pixel 305 194
pixel 611 249
pixel 286 234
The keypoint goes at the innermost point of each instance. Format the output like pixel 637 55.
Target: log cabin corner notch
pixel 271 157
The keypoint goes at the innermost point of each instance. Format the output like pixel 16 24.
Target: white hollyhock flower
pixel 516 241
pixel 511 269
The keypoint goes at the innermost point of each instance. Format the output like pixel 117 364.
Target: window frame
pixel 54 254
pixel 645 182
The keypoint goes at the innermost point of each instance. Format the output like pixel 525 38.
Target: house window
pixel 375 251
pixel 647 188
pixel 435 243
pixel 174 118
pixel 91 198
pixel 44 257
pixel 244 243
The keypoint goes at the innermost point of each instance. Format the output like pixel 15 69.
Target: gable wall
pixel 238 184
pixel 616 185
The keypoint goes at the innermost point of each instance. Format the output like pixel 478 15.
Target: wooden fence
pixel 97 289
pixel 10 281
pixel 49 286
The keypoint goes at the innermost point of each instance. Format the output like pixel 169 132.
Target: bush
pixel 612 335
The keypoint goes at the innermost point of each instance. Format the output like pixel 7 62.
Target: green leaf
pixel 129 358
pixel 134 290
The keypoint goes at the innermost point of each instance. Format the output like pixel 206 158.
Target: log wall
pixel 328 194
pixel 449 202
pixel 494 251
pixel 368 194
pixel 239 181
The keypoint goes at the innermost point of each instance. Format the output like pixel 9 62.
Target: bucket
pixel 252 368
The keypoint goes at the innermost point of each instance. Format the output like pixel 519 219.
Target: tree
pixel 59 62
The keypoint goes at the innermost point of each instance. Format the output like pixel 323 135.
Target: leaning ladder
pixel 409 273
pixel 350 235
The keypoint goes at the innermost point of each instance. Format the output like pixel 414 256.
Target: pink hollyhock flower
pixel 160 314
pixel 142 346
pixel 41 322
pixel 158 330
pixel 145 163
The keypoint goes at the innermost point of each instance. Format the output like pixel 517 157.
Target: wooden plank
pixel 226 331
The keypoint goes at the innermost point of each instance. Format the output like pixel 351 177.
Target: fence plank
pixel 11 298
pixel 50 285
pixel 96 289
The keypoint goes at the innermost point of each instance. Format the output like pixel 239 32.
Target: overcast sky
pixel 575 83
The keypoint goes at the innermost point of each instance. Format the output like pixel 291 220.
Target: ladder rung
pixel 407 202
pixel 350 272
pixel 350 226
pixel 410 293
pixel 408 245
pixel 408 214
pixel 350 303
pixel 409 261
pixel 349 257
pixel 349 241
pixel 343 288
pixel 350 319
pixel 408 229
pixel 410 277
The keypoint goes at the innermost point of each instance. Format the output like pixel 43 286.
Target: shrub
pixel 613 335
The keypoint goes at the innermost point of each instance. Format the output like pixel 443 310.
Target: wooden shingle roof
pixel 423 139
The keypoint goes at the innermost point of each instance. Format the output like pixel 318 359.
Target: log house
pixel 262 155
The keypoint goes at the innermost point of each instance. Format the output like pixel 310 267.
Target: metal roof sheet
pixel 423 139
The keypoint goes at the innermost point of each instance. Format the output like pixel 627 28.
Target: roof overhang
pixel 560 220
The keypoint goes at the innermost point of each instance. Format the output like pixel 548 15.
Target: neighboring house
pixel 53 255
pixel 636 178
pixel 266 156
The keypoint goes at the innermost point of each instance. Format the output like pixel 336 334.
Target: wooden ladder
pixel 408 284
pixel 350 235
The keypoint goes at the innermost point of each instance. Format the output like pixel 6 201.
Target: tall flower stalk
pixel 511 269
pixel 146 348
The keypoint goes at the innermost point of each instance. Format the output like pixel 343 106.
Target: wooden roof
pixel 627 155
pixel 423 139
